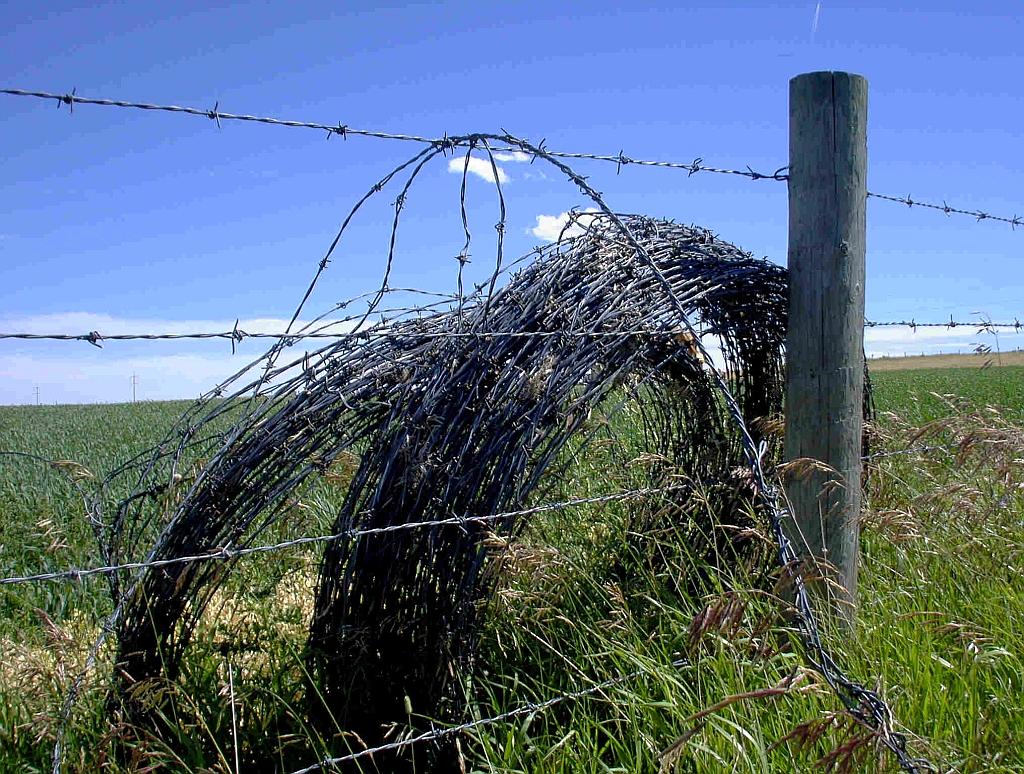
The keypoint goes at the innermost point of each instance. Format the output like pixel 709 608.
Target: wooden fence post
pixel 825 337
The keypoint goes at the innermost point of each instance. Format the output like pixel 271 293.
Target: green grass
pixel 588 594
pixel 924 395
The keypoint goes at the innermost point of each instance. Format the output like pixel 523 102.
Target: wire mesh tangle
pixel 619 159
pixel 442 421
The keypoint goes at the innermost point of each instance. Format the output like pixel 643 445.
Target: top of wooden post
pixel 827 74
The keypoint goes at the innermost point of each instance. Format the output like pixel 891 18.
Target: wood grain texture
pixel 825 338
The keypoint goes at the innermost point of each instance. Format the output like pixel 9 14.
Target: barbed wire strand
pixel 343 130
pixel 980 325
pixel 525 709
pixel 979 215
pixel 620 159
pixel 228 552
pixel 238 335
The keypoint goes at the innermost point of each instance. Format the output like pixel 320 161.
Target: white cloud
pixel 552 227
pixel 480 167
pixel 515 156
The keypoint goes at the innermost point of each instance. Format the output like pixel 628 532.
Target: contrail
pixel 814 24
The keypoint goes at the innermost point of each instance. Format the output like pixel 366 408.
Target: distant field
pixel 916 362
pixel 923 395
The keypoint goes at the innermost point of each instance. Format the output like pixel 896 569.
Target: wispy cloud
pixel 817 18
pixel 552 227
pixel 482 168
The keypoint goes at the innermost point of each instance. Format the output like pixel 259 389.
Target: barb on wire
pixel 978 215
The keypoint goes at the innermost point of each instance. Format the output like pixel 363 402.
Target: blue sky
pixel 125 221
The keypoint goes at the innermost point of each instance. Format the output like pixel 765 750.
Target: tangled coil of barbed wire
pixel 460 412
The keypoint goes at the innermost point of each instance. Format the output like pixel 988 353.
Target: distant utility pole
pixel 37 394
pixel 135 383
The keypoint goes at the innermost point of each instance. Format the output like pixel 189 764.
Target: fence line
pixel 863 704
pixel 620 159
pixel 343 131
pixel 981 325
pixel 237 335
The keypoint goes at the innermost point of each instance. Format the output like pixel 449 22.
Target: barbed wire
pixel 619 159
pixel 343 130
pixel 227 552
pixel 980 325
pixel 237 335
pixel 867 706
pixel 437 734
pixel 525 709
pixel 979 215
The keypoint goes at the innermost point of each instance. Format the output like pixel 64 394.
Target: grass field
pixel 584 596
